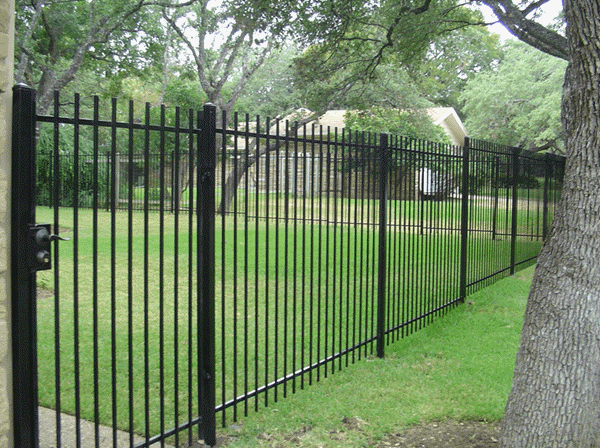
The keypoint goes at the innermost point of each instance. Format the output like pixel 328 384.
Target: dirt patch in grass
pixel 43 293
pixel 448 434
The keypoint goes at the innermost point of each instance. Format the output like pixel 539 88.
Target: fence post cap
pixel 22 86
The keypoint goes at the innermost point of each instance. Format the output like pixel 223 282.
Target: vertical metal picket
pixel 547 177
pixel 495 189
pixel 382 272
pixel 515 208
pixel 206 272
pixel 464 226
pixel 23 278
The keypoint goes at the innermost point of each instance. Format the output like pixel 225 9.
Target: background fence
pixel 329 244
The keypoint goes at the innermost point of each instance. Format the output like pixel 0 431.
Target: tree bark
pixel 515 19
pixel 555 398
pixel 242 165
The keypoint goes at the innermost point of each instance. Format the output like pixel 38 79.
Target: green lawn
pixel 309 307
pixel 459 367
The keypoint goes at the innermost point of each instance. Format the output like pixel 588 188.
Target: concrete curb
pixel 48 432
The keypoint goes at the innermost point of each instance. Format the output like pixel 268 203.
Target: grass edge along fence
pixel 329 244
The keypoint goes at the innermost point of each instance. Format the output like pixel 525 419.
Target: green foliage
pixel 519 102
pixel 47 166
pixel 452 60
pixel 272 91
pixel 185 93
pixel 275 19
pixel 407 123
pixel 321 79
pixel 364 35
pixel 410 60
pixel 414 30
pixel 391 103
pixel 103 37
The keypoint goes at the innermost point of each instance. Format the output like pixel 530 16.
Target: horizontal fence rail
pixel 329 244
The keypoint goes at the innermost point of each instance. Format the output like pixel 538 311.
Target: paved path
pixel 48 433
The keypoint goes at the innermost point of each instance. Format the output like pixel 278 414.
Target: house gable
pixel 446 117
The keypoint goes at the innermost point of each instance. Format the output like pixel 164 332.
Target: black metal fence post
pixel 495 187
pixel 515 208
pixel 107 180
pixel 382 271
pixel 547 176
pixel 206 271
pixel 23 278
pixel 53 164
pixel 464 225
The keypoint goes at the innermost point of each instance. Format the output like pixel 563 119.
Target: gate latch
pixel 40 250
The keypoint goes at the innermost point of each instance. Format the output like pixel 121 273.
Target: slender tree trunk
pixel 555 398
pixel 240 169
pixel 242 165
pixel 255 152
pixel 233 179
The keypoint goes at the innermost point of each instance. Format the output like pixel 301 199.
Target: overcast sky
pixel 550 10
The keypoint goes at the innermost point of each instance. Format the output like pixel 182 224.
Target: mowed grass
pixel 134 325
pixel 292 303
pixel 459 367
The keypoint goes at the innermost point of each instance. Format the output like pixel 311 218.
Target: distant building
pixel 446 117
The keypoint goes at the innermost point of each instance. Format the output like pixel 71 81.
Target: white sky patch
pixel 549 12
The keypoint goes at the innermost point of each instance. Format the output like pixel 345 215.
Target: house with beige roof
pixel 284 176
pixel 446 117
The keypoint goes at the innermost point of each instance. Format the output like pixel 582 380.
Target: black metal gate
pixel 117 331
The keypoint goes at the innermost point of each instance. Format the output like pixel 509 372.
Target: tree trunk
pixel 234 177
pixel 242 165
pixel 555 397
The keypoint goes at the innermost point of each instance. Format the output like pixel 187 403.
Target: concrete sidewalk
pixel 48 433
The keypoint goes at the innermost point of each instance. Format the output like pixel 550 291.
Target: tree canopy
pixel 55 39
pixel 452 60
pixel 518 102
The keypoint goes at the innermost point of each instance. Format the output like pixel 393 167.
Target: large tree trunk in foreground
pixel 555 398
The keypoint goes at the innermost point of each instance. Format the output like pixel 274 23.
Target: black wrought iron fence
pixel 334 243
pixel 513 196
pixel 130 179
pixel 329 244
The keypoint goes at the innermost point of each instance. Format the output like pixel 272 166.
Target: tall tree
pixel 230 41
pixel 55 39
pixel 272 91
pixel 351 42
pixel 454 59
pixel 555 398
pixel 399 32
pixel 518 102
